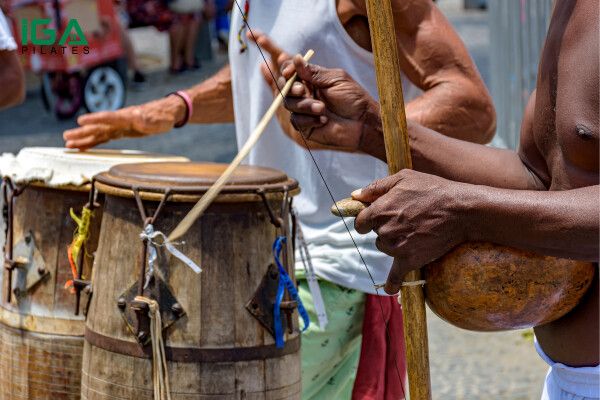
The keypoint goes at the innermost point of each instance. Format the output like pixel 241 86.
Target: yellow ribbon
pixel 81 235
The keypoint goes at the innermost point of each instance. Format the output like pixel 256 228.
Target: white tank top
pixel 296 26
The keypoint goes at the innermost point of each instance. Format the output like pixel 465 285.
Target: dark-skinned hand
pixel 417 218
pixel 329 108
pixel 277 59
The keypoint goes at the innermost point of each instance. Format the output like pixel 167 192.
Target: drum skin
pixel 41 340
pixel 232 243
pixel 485 287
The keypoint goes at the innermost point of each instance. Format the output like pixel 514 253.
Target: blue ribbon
pixel 285 282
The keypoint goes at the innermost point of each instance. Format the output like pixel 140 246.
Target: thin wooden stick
pixel 389 82
pixel 216 188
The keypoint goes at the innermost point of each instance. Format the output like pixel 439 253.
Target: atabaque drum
pixel 218 326
pixel 485 287
pixel 41 322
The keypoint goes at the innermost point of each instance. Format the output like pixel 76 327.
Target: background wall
pixel 517 32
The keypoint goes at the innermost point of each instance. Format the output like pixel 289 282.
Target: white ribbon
pixel 150 235
pixel 312 280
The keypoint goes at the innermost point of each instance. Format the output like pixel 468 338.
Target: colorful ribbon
pixel 285 282
pixel 81 235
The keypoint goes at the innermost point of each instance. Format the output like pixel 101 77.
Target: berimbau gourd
pixel 486 287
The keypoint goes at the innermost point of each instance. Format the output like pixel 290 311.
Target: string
pixel 387 332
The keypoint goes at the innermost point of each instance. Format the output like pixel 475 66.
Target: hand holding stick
pixel 205 201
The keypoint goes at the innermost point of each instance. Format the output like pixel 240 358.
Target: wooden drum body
pixel 215 347
pixel 41 337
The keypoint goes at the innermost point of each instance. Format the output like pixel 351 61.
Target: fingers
pixel 376 189
pixel 278 55
pixel 395 277
pixel 364 222
pixel 266 73
pixel 314 74
pixel 305 105
pixel 88 136
pixel 306 123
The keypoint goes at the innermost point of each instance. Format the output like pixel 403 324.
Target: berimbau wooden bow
pixel 391 99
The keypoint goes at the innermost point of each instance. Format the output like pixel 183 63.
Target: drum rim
pixel 118 186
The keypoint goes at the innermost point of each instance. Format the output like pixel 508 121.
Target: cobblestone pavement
pixel 464 365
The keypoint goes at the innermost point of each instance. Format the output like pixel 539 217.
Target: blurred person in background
pixel 12 78
pixel 132 63
pixel 222 22
pixel 183 34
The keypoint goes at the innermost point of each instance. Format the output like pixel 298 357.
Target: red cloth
pixel 377 376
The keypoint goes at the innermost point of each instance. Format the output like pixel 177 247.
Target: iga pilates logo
pixel 39 33
pixel 75 39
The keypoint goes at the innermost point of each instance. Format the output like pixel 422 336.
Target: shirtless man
pixel 433 58
pixel 543 198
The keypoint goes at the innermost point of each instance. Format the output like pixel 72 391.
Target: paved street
pixel 464 365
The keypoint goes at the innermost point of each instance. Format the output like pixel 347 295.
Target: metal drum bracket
pixel 262 303
pixel 29 265
pixel 135 313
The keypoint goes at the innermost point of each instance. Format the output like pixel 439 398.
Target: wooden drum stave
pixel 215 346
pixel 41 338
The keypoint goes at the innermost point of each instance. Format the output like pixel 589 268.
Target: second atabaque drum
pixel 216 324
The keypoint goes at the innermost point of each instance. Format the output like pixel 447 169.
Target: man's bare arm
pixel 455 100
pixel 12 80
pixel 212 100
pixel 458 160
pixel 558 223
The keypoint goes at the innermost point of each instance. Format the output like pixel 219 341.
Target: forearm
pixel 456 107
pixel 213 99
pixel 557 223
pixel 453 159
pixel 455 101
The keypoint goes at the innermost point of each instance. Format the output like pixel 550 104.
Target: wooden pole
pixel 387 68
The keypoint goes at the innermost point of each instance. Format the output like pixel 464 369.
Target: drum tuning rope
pixel 160 373
pixel 281 98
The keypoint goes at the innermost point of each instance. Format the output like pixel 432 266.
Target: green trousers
pixel 330 356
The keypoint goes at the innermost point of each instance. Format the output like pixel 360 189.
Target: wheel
pixel 66 93
pixel 104 89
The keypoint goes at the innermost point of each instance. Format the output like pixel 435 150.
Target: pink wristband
pixel 189 107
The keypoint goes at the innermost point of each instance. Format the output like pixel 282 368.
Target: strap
pixel 189 107
pixel 285 282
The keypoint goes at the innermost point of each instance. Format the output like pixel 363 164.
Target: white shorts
pixel 569 383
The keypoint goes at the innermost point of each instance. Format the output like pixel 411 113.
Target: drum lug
pixel 135 313
pixel 262 303
pixel 29 265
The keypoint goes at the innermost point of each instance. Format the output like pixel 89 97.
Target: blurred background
pixel 156 51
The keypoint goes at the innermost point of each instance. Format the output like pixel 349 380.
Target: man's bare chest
pixel 566 128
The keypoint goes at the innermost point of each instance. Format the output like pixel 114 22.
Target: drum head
pixel 193 178
pixel 56 167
